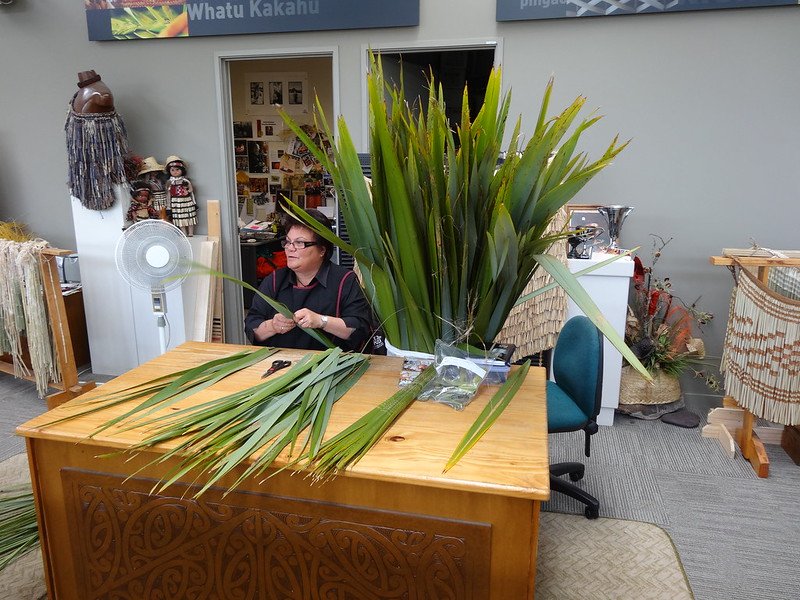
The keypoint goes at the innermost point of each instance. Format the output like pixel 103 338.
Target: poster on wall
pixel 108 20
pixel 522 10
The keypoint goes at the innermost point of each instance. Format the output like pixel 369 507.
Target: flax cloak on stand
pixel 533 326
pixel 96 148
pixel 23 312
pixel 761 355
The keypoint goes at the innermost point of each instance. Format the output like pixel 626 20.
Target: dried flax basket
pixel 635 389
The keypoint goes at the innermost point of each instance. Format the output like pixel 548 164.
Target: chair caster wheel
pixel 591 512
pixel 576 475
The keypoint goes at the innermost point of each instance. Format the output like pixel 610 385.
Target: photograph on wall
pixel 256 92
pixel 273 128
pixel 276 92
pixel 242 163
pixel 299 199
pixel 295 92
pixel 240 147
pixel 276 164
pixel 242 129
pixel 258 153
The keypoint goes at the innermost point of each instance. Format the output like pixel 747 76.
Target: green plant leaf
pixel 575 290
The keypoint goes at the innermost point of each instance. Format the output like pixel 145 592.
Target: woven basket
pixel 635 389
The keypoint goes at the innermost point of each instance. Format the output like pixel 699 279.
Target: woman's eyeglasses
pixel 297 243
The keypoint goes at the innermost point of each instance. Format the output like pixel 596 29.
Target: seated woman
pixel 321 295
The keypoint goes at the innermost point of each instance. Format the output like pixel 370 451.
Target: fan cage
pixel 153 238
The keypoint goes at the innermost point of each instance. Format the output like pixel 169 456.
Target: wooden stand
pixel 751 445
pixel 69 385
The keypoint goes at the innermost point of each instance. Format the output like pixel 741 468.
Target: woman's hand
pixel 281 324
pixel 308 319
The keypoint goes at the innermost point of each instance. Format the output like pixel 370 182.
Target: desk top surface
pixel 510 460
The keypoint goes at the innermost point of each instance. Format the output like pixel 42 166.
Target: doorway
pixel 454 66
pixel 264 161
pixel 453 69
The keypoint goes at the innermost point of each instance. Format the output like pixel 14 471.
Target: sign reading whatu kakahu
pixel 146 19
pixel 522 10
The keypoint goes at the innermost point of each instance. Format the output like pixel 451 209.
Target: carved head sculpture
pixel 93 95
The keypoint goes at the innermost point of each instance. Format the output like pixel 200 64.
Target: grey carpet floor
pixel 738 536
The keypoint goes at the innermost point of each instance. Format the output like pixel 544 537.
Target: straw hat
pixel 175 161
pixel 149 165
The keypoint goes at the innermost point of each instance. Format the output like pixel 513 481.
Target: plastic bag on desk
pixel 457 378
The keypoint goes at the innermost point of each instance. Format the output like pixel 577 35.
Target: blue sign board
pixel 146 19
pixel 523 10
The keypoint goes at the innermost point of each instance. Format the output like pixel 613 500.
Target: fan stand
pixel 157 257
pixel 159 300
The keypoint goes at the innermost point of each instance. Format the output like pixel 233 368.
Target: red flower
pixel 653 307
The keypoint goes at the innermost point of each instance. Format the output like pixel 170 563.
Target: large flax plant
pixel 446 241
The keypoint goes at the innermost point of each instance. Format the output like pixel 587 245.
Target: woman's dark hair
pixel 288 221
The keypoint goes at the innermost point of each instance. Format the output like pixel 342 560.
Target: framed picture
pixel 582 215
pixel 295 89
pixel 257 92
pixel 266 92
pixel 299 198
pixel 276 92
pixel 240 147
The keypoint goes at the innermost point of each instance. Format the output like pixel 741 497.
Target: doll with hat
pixel 141 203
pixel 153 173
pixel 180 195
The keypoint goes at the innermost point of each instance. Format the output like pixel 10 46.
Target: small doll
pixel 180 195
pixel 153 174
pixel 141 207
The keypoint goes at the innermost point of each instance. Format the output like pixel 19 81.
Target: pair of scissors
pixel 277 365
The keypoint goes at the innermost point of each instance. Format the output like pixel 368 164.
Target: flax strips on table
pixel 761 355
pixel 533 326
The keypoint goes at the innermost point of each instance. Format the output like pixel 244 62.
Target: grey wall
pixel 709 99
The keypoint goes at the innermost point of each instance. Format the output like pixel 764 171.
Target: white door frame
pixel 231 258
pixel 419 46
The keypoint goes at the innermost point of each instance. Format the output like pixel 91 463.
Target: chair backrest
pixel 578 364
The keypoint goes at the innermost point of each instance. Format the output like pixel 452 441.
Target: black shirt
pixel 334 292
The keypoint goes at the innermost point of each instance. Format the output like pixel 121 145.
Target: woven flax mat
pixel 607 559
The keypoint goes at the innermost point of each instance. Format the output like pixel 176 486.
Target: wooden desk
pixel 391 527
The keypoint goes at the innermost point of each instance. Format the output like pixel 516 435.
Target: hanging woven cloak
pixel 761 355
pixel 96 147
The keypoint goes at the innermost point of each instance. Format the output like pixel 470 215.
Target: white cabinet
pixel 608 287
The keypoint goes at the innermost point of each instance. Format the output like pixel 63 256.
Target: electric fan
pixel 155 256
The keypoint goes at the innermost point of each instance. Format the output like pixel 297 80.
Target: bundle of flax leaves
pixel 219 434
pixel 445 240
pixel 19 531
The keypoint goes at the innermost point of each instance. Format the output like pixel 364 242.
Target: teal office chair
pixel 573 400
